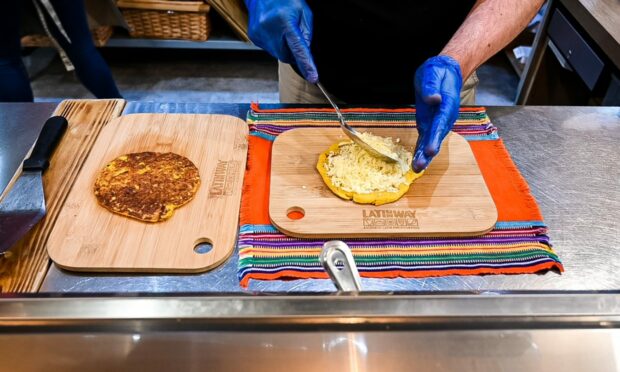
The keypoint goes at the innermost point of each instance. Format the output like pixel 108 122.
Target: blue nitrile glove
pixel 437 96
pixel 284 29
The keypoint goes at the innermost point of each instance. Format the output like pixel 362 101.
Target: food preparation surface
pixel 450 199
pixel 88 237
pixel 569 156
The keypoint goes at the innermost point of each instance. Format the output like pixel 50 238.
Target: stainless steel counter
pixel 571 165
pixel 437 332
pixel 569 156
pixel 463 351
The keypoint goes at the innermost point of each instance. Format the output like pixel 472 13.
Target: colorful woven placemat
pixel 517 245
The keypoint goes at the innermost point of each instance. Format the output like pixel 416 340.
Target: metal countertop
pixel 569 156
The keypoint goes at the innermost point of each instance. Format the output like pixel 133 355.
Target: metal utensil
pixel 353 134
pixel 24 205
pixel 347 278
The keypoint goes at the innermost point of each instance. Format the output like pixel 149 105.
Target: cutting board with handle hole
pixel 198 237
pixel 450 199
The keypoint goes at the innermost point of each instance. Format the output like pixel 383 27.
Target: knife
pixel 24 205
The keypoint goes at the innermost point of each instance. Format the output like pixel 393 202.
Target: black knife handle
pixel 50 135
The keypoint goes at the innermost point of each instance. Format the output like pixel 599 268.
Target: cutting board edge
pixel 52 251
pixel 382 234
pixel 243 124
pixel 197 269
pixel 492 221
pixel 146 270
pixel 488 226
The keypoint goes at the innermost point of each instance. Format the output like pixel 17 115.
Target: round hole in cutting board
pixel 295 213
pixel 203 245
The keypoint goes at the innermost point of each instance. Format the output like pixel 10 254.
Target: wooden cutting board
pixel 450 199
pixel 88 237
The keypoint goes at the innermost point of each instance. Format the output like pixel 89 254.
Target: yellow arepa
pixel 352 173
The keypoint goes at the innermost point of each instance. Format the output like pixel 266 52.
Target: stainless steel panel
pixel 520 350
pixel 568 155
pixel 420 311
pixel 567 332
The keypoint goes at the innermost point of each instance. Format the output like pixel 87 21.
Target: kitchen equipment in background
pixel 235 13
pixel 165 19
pixel 575 58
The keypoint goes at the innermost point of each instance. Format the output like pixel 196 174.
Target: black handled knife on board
pixel 24 204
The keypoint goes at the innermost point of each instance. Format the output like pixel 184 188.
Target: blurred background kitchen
pixel 194 51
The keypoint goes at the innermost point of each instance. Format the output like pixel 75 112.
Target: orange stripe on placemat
pixel 283 275
pixel 294 274
pixel 256 108
pixel 255 197
pixel 508 188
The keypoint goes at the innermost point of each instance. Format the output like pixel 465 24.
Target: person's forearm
pixel 488 28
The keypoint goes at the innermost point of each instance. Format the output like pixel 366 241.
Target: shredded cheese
pixel 353 169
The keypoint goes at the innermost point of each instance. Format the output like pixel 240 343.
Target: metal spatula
pixel 353 134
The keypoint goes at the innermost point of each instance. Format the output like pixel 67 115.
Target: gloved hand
pixel 284 29
pixel 438 96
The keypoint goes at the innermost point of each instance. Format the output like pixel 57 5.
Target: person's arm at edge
pixel 490 25
pixel 488 28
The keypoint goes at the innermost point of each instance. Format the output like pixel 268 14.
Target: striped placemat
pixel 517 245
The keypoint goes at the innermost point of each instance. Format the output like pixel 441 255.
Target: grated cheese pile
pixel 354 170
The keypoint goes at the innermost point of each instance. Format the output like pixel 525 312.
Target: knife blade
pixel 24 205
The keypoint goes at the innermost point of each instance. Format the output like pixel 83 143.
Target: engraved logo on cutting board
pixel 389 219
pixel 241 143
pixel 87 249
pixel 224 179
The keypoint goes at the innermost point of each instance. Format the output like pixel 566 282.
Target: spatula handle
pixel 48 139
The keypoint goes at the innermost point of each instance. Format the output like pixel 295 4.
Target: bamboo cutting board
pixel 88 237
pixel 450 199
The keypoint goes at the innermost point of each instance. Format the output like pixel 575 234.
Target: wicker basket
pixel 163 19
pixel 101 35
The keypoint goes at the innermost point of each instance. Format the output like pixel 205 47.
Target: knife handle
pixel 48 139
